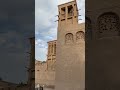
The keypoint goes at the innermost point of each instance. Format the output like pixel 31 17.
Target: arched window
pixel 69 38
pixel 108 25
pixel 88 29
pixel 80 35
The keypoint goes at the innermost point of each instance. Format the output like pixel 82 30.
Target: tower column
pixel 66 13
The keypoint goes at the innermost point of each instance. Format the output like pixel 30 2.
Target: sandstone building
pixel 70 56
pixel 45 71
pixel 51 56
pixel 102 47
pixel 65 65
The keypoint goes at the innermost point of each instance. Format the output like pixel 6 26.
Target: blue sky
pixel 45 25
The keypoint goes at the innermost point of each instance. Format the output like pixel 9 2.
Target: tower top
pixel 68 12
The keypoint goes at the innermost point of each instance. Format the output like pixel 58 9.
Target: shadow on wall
pixel 102 45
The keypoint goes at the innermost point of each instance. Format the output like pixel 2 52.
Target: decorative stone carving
pixel 80 35
pixel 108 24
pixel 69 38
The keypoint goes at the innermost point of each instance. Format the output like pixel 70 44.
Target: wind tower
pixel 51 56
pixel 70 52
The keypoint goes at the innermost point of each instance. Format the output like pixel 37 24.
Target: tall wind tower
pixel 70 52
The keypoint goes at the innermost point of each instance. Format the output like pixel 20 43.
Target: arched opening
pixel 69 38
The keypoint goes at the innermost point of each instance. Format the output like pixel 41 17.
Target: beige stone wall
pixel 42 75
pixel 70 57
pixel 45 71
pixel 40 69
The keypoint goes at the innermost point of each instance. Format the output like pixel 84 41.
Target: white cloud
pixel 40 49
pixel 45 27
pixel 40 43
pixel 40 53
pixel 63 1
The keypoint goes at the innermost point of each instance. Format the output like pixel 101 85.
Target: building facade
pixel 45 71
pixel 64 68
pixel 70 56
pixel 102 56
pixel 51 56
